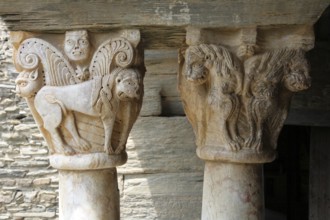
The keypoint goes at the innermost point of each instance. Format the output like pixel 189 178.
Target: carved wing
pixel 113 53
pixel 34 53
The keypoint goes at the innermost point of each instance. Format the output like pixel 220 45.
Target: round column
pixel 89 195
pixel 232 191
pixel 88 187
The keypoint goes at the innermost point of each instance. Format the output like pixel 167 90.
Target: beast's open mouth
pixel 125 96
pixel 197 80
pixel 122 96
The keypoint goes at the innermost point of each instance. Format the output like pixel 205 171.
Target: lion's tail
pixel 53 100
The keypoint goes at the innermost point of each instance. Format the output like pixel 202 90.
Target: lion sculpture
pixel 271 80
pixel 99 97
pixel 54 91
pixel 215 69
pixel 247 102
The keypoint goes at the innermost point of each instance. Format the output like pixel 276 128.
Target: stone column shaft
pixel 236 86
pixel 232 190
pixel 89 195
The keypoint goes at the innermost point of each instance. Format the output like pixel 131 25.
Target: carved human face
pixel 76 45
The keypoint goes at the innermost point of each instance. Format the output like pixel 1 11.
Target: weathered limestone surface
pixel 29 189
pixel 28 185
pixel 161 82
pixel 85 93
pixel 240 184
pixel 163 177
pixel 237 90
pixel 236 87
pixel 171 185
pixel 88 194
pixel 162 196
pixel 309 107
pixel 160 145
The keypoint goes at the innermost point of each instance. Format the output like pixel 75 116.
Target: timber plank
pixel 162 22
pixel 61 14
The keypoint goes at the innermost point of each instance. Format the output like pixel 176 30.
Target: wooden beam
pixel 59 15
pixel 162 22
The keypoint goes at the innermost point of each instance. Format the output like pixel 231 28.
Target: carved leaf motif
pixel 118 50
pixel 58 70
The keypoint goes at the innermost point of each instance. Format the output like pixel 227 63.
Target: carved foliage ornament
pixel 83 102
pixel 237 108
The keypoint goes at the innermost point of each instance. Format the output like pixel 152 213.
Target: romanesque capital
pixel 236 91
pixel 85 92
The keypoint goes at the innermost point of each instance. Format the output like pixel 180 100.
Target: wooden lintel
pixel 59 15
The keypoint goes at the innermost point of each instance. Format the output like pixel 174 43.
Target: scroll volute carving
pixel 84 94
pixel 237 106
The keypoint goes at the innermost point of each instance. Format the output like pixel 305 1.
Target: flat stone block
pixel 35 214
pixel 31 163
pixel 12 173
pixel 161 144
pixel 41 181
pixel 162 196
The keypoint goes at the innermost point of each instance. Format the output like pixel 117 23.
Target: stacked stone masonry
pixel 28 184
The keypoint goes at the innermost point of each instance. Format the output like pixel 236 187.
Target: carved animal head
pixel 128 84
pixel 204 58
pixel 196 70
pixel 28 83
pixel 76 45
pixel 296 74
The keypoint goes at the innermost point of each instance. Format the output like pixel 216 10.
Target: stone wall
pixel 28 184
pixel 161 180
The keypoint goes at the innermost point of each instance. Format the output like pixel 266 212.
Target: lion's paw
pixel 234 146
pixel 109 150
pixel 249 141
pixel 84 145
pixel 119 150
pixel 69 150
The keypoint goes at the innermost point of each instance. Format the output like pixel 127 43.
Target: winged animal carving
pixel 60 86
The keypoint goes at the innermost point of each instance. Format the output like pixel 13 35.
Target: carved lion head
pixel 28 83
pixel 204 59
pixel 296 74
pixel 128 84
pixel 196 70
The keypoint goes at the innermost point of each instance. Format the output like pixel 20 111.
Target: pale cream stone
pixel 89 195
pixel 95 161
pixel 236 86
pixel 232 191
pixel 57 89
pixel 85 97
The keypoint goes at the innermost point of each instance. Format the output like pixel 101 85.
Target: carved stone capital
pixel 85 92
pixel 237 95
